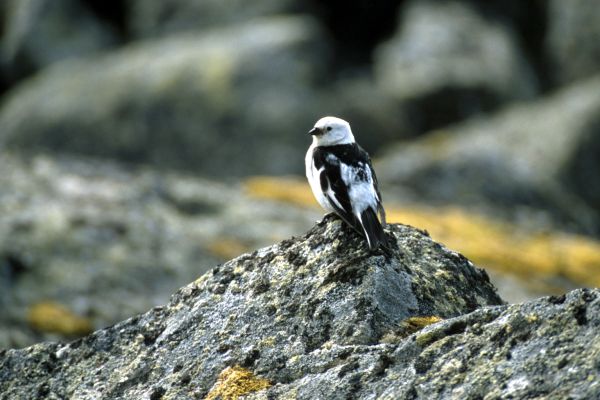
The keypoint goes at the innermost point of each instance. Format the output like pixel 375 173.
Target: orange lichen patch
pixel 488 242
pixel 49 316
pixel 234 382
pixel 288 190
pixel 227 248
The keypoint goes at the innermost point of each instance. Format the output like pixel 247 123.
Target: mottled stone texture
pixel 106 241
pixel 320 317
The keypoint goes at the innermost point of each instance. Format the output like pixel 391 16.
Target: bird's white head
pixel 331 131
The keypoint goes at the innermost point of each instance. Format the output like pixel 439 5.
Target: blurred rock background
pixel 132 133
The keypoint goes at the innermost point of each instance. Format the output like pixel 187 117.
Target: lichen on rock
pixel 310 318
pixel 234 382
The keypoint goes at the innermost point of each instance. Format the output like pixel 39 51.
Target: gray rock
pixel 319 317
pixel 573 40
pixel 37 33
pixel 530 350
pixel 309 314
pixel 226 102
pixel 157 18
pixel 536 160
pixel 447 62
pixel 108 242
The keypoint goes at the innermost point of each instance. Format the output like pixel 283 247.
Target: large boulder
pixel 447 61
pixel 309 309
pixel 320 317
pixel 536 160
pixel 226 102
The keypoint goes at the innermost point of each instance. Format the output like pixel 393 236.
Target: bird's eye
pixel 328 128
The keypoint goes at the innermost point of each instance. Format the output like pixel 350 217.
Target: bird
pixel 343 180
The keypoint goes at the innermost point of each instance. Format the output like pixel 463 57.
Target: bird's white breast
pixel 313 176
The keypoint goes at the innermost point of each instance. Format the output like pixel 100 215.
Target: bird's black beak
pixel 315 131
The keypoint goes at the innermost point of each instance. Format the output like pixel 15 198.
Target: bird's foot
pixel 327 217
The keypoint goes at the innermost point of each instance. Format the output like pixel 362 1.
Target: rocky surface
pixel 106 242
pixel 86 243
pixel 320 317
pixel 516 255
pixel 276 311
pixel 516 163
pixel 225 91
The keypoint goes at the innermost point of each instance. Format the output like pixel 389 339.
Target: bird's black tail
pixel 373 230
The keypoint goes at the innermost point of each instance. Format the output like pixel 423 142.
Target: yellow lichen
pixel 201 280
pixel 234 382
pixel 227 248
pixel 420 322
pixel 531 318
pixel 49 316
pixel 288 190
pixel 490 243
pixel 268 341
pixel 408 327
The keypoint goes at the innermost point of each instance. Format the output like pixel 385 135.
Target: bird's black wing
pixel 380 209
pixel 373 227
pixel 327 159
